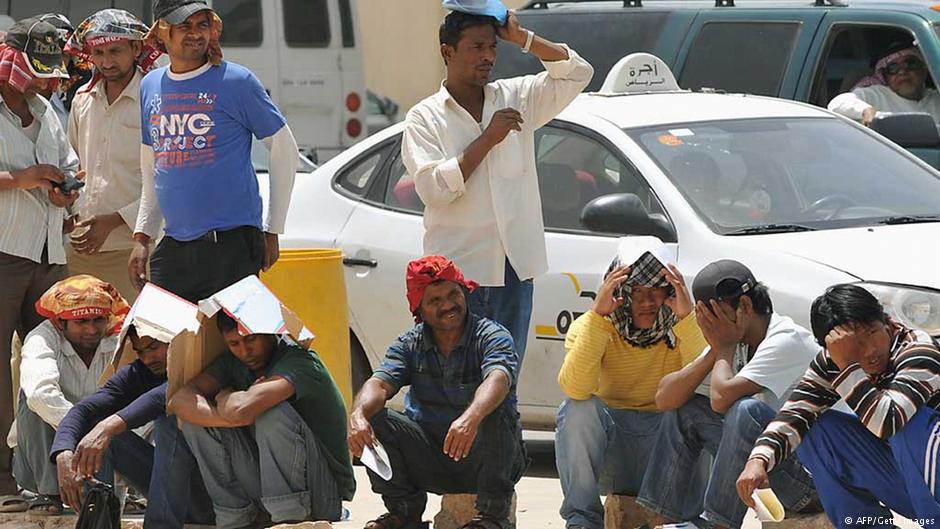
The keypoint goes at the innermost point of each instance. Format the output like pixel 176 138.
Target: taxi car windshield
pixel 818 173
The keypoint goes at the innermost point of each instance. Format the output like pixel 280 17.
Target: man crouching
pixel 460 432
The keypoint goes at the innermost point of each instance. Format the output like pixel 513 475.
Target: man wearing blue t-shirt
pixel 198 117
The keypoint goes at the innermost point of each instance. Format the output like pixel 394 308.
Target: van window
pixel 27 8
pixel 346 21
pixel 306 23
pixel 851 53
pixel 749 57
pixel 612 36
pixel 241 20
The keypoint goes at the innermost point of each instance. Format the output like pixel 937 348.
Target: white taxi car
pixel 806 199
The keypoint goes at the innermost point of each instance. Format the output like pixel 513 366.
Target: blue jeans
pixel 695 427
pixel 854 470
pixel 275 464
pixel 509 305
pixel 600 450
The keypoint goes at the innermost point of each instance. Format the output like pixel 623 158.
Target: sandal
pixel 32 504
pixel 135 504
pixel 487 522
pixel 15 502
pixel 394 521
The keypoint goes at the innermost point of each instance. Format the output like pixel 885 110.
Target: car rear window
pixel 748 57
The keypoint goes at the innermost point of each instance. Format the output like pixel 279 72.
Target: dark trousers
pixel 491 470
pixel 195 270
pixel 22 282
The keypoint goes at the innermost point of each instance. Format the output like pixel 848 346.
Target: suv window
pixel 749 57
pixel 574 169
pixel 623 32
pixel 851 52
pixel 242 22
pixel 306 23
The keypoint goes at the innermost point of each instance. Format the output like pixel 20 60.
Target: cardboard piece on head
pixel 629 249
pixel 254 308
pixel 156 314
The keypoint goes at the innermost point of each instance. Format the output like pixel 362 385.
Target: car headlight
pixel 913 307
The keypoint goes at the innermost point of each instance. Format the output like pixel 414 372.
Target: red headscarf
pixel 431 269
pixel 14 68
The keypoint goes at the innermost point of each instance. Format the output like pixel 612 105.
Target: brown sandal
pixel 487 522
pixel 394 521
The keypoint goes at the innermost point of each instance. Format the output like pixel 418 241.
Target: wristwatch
pixel 528 40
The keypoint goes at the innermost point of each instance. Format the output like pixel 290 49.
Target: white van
pixel 306 53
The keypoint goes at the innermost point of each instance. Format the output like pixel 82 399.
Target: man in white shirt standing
pixel 63 358
pixel 899 84
pixel 104 129
pixel 471 151
pixel 722 401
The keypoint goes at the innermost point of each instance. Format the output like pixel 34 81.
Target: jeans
pixel 494 465
pixel 194 270
pixel 854 470
pixel 695 427
pixel 32 467
pixel 600 450
pixel 509 305
pixel 275 464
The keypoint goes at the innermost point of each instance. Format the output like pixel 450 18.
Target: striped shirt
pixel 29 222
pixel 883 403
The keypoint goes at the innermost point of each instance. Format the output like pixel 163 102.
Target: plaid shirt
pixel 442 387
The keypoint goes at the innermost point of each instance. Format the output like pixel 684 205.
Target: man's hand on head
pixel 512 31
pixel 722 329
pixel 842 345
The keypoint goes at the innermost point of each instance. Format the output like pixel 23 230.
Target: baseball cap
pixel 725 279
pixel 177 11
pixel 40 42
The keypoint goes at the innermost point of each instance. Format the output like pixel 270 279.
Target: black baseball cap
pixel 177 11
pixel 40 42
pixel 722 280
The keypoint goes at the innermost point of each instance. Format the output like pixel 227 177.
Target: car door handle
pixel 350 261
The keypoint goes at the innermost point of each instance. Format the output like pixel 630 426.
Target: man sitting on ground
pixel 460 432
pixel 722 401
pixel 899 84
pixel 97 434
pixel 249 415
pixel 639 329
pixel 62 360
pixel 885 455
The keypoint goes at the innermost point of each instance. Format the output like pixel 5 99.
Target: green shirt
pixel 316 399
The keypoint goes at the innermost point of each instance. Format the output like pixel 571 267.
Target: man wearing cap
pixel 639 329
pixel 470 149
pixel 62 360
pixel 199 115
pixel 97 433
pixel 104 129
pixel 899 84
pixel 35 157
pixel 722 401
pixel 460 432
pixel 267 425
pixel 54 93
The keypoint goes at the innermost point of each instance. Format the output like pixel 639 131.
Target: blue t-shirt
pixel 200 130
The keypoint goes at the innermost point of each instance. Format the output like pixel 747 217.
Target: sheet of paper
pixel 629 249
pixel 376 460
pixel 767 506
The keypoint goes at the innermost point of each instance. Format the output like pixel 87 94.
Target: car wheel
pixel 361 370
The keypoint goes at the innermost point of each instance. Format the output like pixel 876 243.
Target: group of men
pixel 657 376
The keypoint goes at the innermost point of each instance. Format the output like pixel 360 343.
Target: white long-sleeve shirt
pixel 883 99
pixel 497 213
pixel 53 377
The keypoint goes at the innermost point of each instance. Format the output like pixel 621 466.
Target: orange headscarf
pixel 422 272
pixel 83 296
pixel 160 33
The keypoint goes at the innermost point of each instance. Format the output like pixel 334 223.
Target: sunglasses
pixel 910 64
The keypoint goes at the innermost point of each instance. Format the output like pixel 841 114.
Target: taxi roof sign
pixel 639 73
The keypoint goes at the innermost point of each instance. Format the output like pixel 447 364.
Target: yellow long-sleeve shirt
pixel 598 361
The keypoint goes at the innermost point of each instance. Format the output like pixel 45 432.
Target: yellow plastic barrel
pixel 310 283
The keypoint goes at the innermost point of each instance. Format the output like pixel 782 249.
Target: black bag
pixel 100 508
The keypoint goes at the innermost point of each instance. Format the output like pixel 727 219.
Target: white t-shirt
pixel 852 104
pixel 778 363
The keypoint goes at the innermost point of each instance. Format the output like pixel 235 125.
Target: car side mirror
pixel 908 129
pixel 625 214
